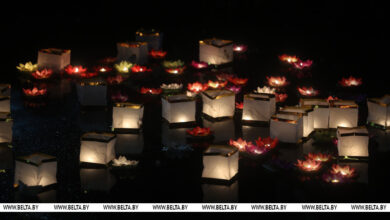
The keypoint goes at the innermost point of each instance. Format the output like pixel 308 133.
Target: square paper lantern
pixel 92 92
pixel 52 58
pixel 5 89
pixel 172 137
pixel 127 115
pixel 307 114
pixel 343 113
pixel 258 107
pixel 220 193
pixel 5 127
pixel 352 142
pixel 218 103
pixel 129 144
pixel 136 52
pixel 96 179
pixel 320 112
pixel 97 148
pixel 223 130
pixel 220 162
pixel 216 51
pixel 287 127
pixel 152 37
pixel 178 108
pixel 36 170
pixel 379 111
pixel 5 105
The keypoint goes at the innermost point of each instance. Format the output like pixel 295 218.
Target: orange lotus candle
pixel 42 74
pixel 288 58
pixel 345 171
pixel 75 70
pixel 152 91
pixel 217 84
pixel 140 69
pixel 309 91
pixel 308 165
pixel 197 87
pixel 277 81
pixel 351 81
pixel 240 144
pixel 157 54
pixel 34 92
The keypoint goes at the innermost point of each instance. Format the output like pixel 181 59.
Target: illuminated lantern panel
pixel 127 115
pixel 5 104
pixel 52 58
pixel 222 130
pixel 152 37
pixel 216 51
pixel 5 89
pixel 129 144
pixel 320 112
pixel 287 127
pixel 258 107
pixel 343 113
pixel 352 142
pixel 97 148
pixel 96 179
pixel 92 92
pixel 220 162
pixel 5 127
pixel 36 170
pixel 218 103
pixel 136 52
pixel 220 192
pixel 172 137
pixel 178 108
pixel 379 111
pixel 307 115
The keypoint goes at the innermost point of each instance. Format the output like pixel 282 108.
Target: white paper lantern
pixel 98 148
pixel 152 37
pixel 56 59
pixel 36 170
pixel 216 51
pixel 172 137
pixel 218 103
pixel 307 114
pixel 287 127
pixel 6 156
pixel 5 89
pixel 135 52
pixel 220 162
pixel 258 107
pixel 92 92
pixel 6 124
pixel 127 115
pixel 129 144
pixel 5 104
pixel 222 130
pixel 178 108
pixel 352 142
pixel 96 179
pixel 220 193
pixel 343 113
pixel 320 112
pixel 379 111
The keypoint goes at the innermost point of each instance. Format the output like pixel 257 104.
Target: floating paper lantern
pixel 5 105
pixel 240 48
pixel 55 59
pixel 216 51
pixel 308 117
pixel 28 67
pixel 320 112
pixel 174 67
pixel 288 58
pixel 220 162
pixel 34 92
pixel 152 91
pixel 258 107
pixel 152 37
pixel 123 67
pixel 275 81
pixel 199 65
pixel 197 87
pixel 92 92
pixel 287 127
pixel 351 82
pixel 352 142
pixel 309 91
pixel 127 115
pixel 6 124
pixel 157 54
pixel 220 192
pixel 75 70
pixel 178 108
pixel 217 84
pixel 96 180
pixel 42 74
pixel 308 165
pixel 379 111
pixel 223 130
pixel 129 144
pixel 97 148
pixel 218 103
pixel 136 52
pixel 343 113
pixel 303 64
pixel 36 170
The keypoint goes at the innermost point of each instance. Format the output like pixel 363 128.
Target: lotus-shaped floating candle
pixel 140 69
pixel 198 131
pixel 238 81
pixel 351 81
pixel 240 144
pixel 331 98
pixel 309 91
pixel 268 142
pixel 123 161
pixel 199 65
pixel 115 79
pixel 217 84
pixel 240 48
pixel 152 91
pixel 42 74
pixel 123 67
pixel 319 157
pixel 235 89
pixel 265 89
pixel 172 86
pixel 239 105
pixel 254 149
pixel 345 171
pixel 174 67
pixel 34 92
pixel 197 87
pixel 224 76
pixel 103 69
pixel 281 97
pixel 308 165
pixel 119 97
pixel 27 67
pixel 276 81
pixel 75 70
pixel 157 54
pixel 303 64
pixel 288 58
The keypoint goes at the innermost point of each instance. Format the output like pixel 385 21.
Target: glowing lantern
pixel 288 59
pixel 27 67
pixel 309 91
pixel 152 37
pixel 34 92
pixel 174 67
pixel 352 142
pixel 55 59
pixel 199 132
pixel 218 103
pixel 240 144
pixel 277 81
pixel 43 74
pixel 118 79
pixel 96 179
pixel 157 54
pixel 281 97
pixel 217 84
pixel 303 64
pixel 75 70
pixel 238 81
pixel 307 115
pixel 220 162
pixel 6 124
pixel 343 113
pixel 379 111
pixel 240 48
pixel 216 51
pixel 319 157
pixel 351 81
pixel 265 89
pixel 223 130
pixel 178 108
pixel 308 165
pixel 136 52
pixel 123 67
pixel 197 87
pixel 36 170
pixel 140 69
pixel 220 192
pixel 199 65
pixel 258 107
pixel 320 112
pixel 287 127
pixel 5 105
pixel 344 171
pixel 127 116
pixel 97 148
pixel 92 92
pixel 129 144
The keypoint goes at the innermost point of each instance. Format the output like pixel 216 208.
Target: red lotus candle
pixel 240 144
pixel 276 81
pixel 217 84
pixel 115 79
pixel 239 105
pixel 198 131
pixel 319 157
pixel 309 91
pixel 157 54
pixel 281 97
pixel 351 81
pixel 303 64
pixel 288 58
pixel 42 74
pixel 268 142
pixel 34 92
pixel 152 91
pixel 75 70
pixel 140 69
pixel 240 48
pixel 175 71
pixel 308 165
pixel 199 65
pixel 344 171
pixel 197 87
pixel 238 81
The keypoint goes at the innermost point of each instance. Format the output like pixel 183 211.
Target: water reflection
pixel 93 179
pixel 129 144
pixel 223 130
pixel 220 193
